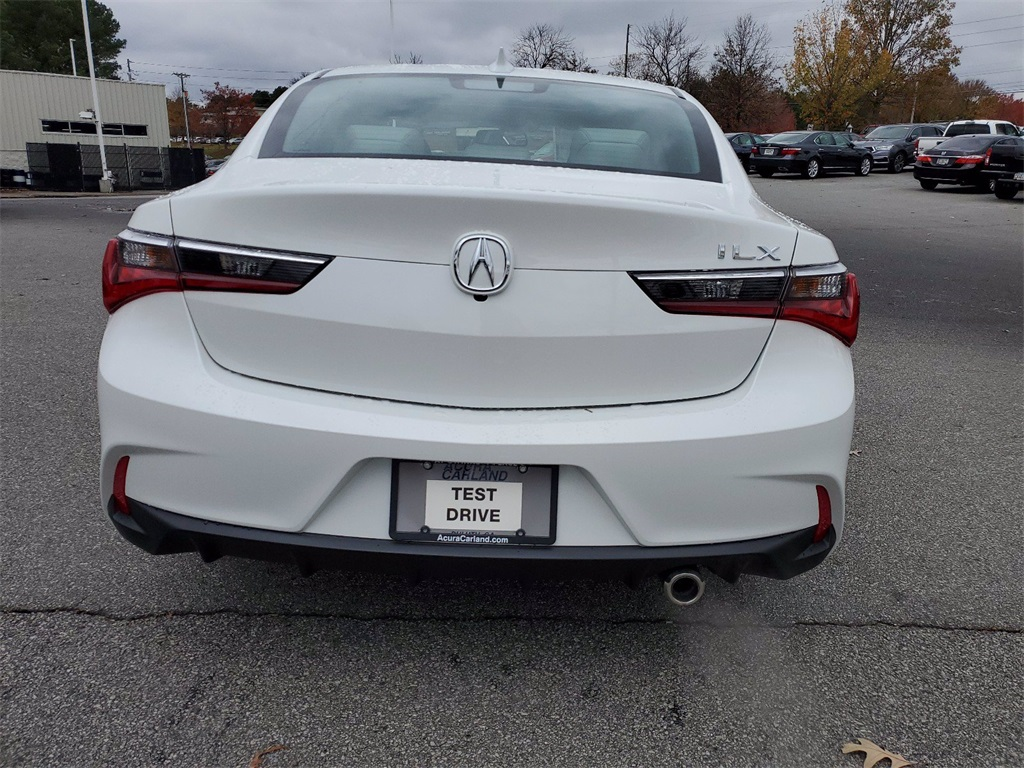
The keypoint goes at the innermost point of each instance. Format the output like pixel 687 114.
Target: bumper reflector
pixel 120 477
pixel 824 514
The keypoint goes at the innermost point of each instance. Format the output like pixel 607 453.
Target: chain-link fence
pixel 77 167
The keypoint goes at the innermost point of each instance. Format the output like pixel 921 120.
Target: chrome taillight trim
pixel 252 253
pixel 146 238
pixel 833 268
pixel 716 274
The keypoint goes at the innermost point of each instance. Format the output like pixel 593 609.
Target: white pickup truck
pixel 964 127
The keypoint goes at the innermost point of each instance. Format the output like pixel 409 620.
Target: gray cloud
pixel 265 43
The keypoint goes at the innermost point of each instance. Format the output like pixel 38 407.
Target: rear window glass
pixel 962 129
pixel 967 143
pixel 495 119
pixel 888 132
pixel 788 138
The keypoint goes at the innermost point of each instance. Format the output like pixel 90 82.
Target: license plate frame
pixel 942 161
pixel 1019 176
pixel 768 151
pixel 414 499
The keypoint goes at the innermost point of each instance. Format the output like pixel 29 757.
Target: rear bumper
pixel 949 175
pixel 777 164
pixel 161 533
pixel 227 450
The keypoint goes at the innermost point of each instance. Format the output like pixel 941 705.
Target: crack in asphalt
pixel 394 618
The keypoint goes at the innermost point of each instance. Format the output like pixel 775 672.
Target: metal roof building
pixel 39 107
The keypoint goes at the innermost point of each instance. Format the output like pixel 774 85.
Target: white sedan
pixel 479 320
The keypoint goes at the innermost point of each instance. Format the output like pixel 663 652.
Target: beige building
pixel 39 107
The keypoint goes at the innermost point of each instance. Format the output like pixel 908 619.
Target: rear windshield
pixel 966 143
pixel 964 128
pixel 495 119
pixel 888 132
pixel 789 138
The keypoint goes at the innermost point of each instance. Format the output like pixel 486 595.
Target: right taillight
pixel 823 296
pixel 137 264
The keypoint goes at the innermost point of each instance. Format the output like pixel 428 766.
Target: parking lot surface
pixel 910 635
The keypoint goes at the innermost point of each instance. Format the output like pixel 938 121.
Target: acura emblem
pixel 481 264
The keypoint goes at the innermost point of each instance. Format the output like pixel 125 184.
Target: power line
pixel 991 18
pixel 997 42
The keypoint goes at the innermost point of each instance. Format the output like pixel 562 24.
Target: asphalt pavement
pixel 909 635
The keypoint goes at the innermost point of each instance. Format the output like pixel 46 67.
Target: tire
pixel 1006 191
pixel 812 170
pixel 765 173
pixel 864 168
pixel 926 184
pixel 898 163
pixel 986 185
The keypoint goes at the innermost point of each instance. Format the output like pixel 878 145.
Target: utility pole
pixel 107 180
pixel 625 61
pixel 130 78
pixel 74 66
pixel 184 103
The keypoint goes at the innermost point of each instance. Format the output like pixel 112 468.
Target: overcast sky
pixel 251 44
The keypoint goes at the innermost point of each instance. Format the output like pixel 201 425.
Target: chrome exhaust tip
pixel 684 587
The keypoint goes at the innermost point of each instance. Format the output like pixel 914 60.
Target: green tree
pixel 263 99
pixel 34 36
pixel 904 40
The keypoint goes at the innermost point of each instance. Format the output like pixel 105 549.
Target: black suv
pixel 892 146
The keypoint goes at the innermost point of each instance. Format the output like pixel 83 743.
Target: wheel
pixel 1006 191
pixel 765 173
pixel 865 167
pixel 813 169
pixel 898 163
pixel 985 185
pixel 926 184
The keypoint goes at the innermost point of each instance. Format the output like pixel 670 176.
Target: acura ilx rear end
pixel 465 320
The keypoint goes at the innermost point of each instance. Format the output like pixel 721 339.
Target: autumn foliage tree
pixel 227 112
pixel 829 75
pixel 905 39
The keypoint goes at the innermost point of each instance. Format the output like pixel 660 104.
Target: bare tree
pixel 742 82
pixel 412 58
pixel 668 55
pixel 543 46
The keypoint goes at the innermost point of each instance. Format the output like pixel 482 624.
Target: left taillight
pixel 824 296
pixel 137 264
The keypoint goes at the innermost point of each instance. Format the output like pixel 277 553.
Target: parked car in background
pixel 967 128
pixel 959 160
pixel 214 165
pixel 742 143
pixel 1004 165
pixel 892 146
pixel 577 344
pixel 809 153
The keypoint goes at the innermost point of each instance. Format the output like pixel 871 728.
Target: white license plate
pixel 942 161
pixel 768 151
pixel 1018 177
pixel 460 503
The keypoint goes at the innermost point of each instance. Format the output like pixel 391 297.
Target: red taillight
pixel 754 150
pixel 790 151
pixel 830 302
pixel 969 160
pixel 120 478
pixel 988 156
pixel 137 268
pixel 824 514
pixel 924 159
pixel 825 297
pixel 137 264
